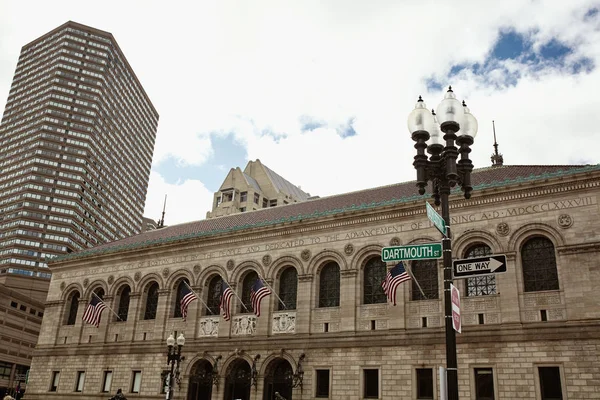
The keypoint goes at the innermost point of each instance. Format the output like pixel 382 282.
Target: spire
pixel 497 159
pixel 161 222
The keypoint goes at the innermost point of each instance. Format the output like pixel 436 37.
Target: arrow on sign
pixel 479 266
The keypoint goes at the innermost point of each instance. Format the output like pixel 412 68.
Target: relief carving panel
pixel 209 326
pixel 284 322
pixel 243 325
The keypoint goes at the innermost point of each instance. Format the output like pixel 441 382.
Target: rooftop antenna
pixel 497 159
pixel 161 222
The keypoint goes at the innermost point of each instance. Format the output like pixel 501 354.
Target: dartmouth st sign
pixel 427 251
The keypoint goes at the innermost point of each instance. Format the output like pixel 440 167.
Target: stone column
pixel 348 299
pixel 304 302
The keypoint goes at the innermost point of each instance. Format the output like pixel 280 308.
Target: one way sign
pixel 479 266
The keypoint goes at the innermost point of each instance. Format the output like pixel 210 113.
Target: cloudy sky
pixel 319 91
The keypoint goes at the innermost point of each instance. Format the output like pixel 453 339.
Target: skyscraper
pixel 76 144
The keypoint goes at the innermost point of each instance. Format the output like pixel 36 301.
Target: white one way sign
pixel 479 266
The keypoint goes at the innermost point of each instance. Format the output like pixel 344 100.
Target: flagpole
pixel 272 291
pixel 238 297
pixel 415 279
pixel 198 297
pixel 106 305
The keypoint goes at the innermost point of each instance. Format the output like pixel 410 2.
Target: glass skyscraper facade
pixel 76 144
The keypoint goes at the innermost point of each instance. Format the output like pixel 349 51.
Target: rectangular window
pixel 550 386
pixel 265 203
pixel 424 383
pixel 243 196
pixel 256 198
pixel 136 380
pixel 5 369
pixel 484 384
pixel 371 383
pixel 322 386
pixel 54 381
pixel 80 381
pixel 273 203
pixel 107 381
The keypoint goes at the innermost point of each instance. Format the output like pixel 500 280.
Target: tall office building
pixel 76 144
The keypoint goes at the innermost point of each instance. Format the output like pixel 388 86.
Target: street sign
pixel 479 266
pixel 426 251
pixel 436 218
pixel 455 308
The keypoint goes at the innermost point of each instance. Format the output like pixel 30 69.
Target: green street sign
pixel 427 251
pixel 436 218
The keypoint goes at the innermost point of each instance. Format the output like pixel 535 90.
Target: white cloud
pixel 252 68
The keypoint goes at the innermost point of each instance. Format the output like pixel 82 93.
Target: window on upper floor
pixel 374 274
pixel 180 288
pixel 480 285
pixel 256 198
pixel 151 300
pixel 425 273
pixel 73 303
pixel 249 280
pixel 124 297
pixel 329 285
pixel 538 259
pixel 243 196
pixel 213 299
pixel 288 288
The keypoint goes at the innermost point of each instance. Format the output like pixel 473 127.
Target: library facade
pixel 328 331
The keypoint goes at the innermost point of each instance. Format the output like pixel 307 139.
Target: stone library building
pixel 76 143
pixel 327 330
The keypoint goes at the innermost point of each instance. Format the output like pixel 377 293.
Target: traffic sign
pixel 479 266
pixel 456 323
pixel 436 218
pixel 426 251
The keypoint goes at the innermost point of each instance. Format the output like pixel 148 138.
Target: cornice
pixel 579 248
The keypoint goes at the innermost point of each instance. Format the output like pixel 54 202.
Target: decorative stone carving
pixel 197 269
pixel 534 300
pixel 111 279
pixel 395 241
pixel 243 325
pixel 62 286
pixel 503 229
pixel 565 221
pixel 137 276
pixel 266 260
pixel 305 255
pixel 165 273
pixel 86 282
pixel 373 310
pixel 349 249
pixel 284 322
pixel 209 326
pixel 230 265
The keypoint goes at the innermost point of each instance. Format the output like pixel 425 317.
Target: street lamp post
pixel 173 359
pixel 441 168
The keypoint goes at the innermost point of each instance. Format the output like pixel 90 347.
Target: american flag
pixel 187 296
pixel 226 295
pixel 93 311
pixel 394 277
pixel 259 290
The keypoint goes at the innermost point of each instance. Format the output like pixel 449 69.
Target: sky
pixel 320 91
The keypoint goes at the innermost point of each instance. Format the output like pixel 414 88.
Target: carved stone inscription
pixel 336 237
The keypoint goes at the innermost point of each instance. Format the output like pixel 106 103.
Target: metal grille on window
pixel 374 275
pixel 124 297
pixel 214 296
pixel 329 286
pixel 73 308
pixel 425 273
pixel 151 301
pixel 180 288
pixel 288 289
pixel 480 285
pixel 539 265
pixel 249 280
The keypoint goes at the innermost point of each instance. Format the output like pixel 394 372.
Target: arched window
pixel 288 288
pixel 329 285
pixel 425 272
pixel 123 309
pixel 374 274
pixel 480 285
pixel 539 265
pixel 247 284
pixel 151 300
pixel 214 295
pixel 99 293
pixel 180 288
pixel 73 301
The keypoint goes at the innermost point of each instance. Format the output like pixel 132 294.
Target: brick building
pixel 532 332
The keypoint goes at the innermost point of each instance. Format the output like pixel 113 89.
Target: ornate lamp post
pixel 174 358
pixel 458 126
